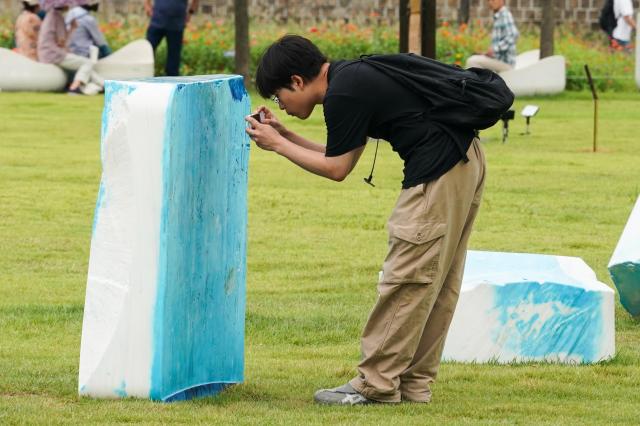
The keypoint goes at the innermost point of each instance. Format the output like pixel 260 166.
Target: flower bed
pixel 208 46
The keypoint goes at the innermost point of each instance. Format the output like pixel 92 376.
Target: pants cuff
pixel 372 393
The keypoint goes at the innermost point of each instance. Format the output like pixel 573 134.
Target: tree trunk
pixel 463 12
pixel 428 27
pixel 242 40
pixel 403 19
pixel 546 28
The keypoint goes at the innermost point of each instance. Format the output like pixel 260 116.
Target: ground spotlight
pixel 528 112
pixel 509 115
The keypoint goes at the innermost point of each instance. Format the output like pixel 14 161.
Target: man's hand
pixel 489 52
pixel 272 120
pixel 264 135
pixel 148 8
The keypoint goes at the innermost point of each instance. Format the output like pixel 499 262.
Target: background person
pixel 429 228
pixel 87 33
pixel 52 49
pixel 501 56
pixel 168 19
pixel 27 29
pixel 623 11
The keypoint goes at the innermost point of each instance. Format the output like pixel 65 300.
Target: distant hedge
pixel 208 47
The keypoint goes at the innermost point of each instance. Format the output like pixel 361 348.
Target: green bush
pixel 208 46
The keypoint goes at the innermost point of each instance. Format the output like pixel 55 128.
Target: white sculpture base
pixel 528 307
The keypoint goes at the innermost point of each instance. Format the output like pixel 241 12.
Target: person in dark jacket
pixel 168 20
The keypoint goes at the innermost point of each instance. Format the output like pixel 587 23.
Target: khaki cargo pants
pixel 429 228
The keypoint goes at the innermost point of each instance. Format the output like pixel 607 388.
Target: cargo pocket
pixel 414 252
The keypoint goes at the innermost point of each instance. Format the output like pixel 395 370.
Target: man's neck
pixel 321 83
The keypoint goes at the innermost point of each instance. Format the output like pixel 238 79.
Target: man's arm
pixel 312 160
pixel 194 6
pixel 334 168
pixel 629 20
pixel 303 142
pixel 148 7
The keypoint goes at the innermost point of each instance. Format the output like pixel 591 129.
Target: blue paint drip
pixel 198 334
pixel 99 203
pixel 121 390
pixel 626 277
pixel 237 89
pixel 576 332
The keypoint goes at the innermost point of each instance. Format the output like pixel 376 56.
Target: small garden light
pixel 528 112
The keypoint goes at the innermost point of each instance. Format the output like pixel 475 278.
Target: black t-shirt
pixel 362 102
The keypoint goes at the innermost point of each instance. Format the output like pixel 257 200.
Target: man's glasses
pixel 275 99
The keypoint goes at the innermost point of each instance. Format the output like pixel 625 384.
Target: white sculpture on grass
pixel 21 74
pixel 529 307
pixel 534 76
pixel 165 302
pixel 624 265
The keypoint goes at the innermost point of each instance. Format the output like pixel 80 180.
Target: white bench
pixel 534 76
pixel 21 74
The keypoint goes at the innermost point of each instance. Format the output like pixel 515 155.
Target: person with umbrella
pixel 53 48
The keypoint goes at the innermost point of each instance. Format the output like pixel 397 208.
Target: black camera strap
pixel 375 155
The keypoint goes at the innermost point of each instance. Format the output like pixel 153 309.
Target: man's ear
pixel 298 81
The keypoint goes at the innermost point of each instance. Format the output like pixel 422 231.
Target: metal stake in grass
pixel 595 108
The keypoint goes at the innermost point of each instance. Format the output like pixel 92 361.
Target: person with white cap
pixel 27 29
pixel 87 33
pixel 53 42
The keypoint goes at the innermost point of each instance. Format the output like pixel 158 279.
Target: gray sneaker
pixel 343 395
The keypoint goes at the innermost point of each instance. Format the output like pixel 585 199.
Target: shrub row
pixel 208 47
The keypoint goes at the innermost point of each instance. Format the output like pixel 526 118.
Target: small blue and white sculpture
pixel 624 265
pixel 165 304
pixel 526 307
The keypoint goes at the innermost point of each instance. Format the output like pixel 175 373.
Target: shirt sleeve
pixel 508 34
pixel 94 32
pixel 626 8
pixel 347 120
pixel 60 31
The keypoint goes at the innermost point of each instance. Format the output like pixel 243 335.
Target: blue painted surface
pixel 198 334
pixel 199 391
pixel 541 310
pixel 573 327
pixel 624 266
pixel 626 277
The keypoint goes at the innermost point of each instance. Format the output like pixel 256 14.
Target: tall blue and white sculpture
pixel 518 307
pixel 165 304
pixel 624 265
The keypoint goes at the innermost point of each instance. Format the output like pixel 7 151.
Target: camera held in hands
pixel 258 116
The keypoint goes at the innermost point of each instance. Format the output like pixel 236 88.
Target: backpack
pixel 607 19
pixel 471 98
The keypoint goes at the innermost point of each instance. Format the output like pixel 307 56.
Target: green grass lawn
pixel 315 248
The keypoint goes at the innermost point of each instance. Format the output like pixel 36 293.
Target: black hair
pixel 30 8
pixel 91 7
pixel 290 55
